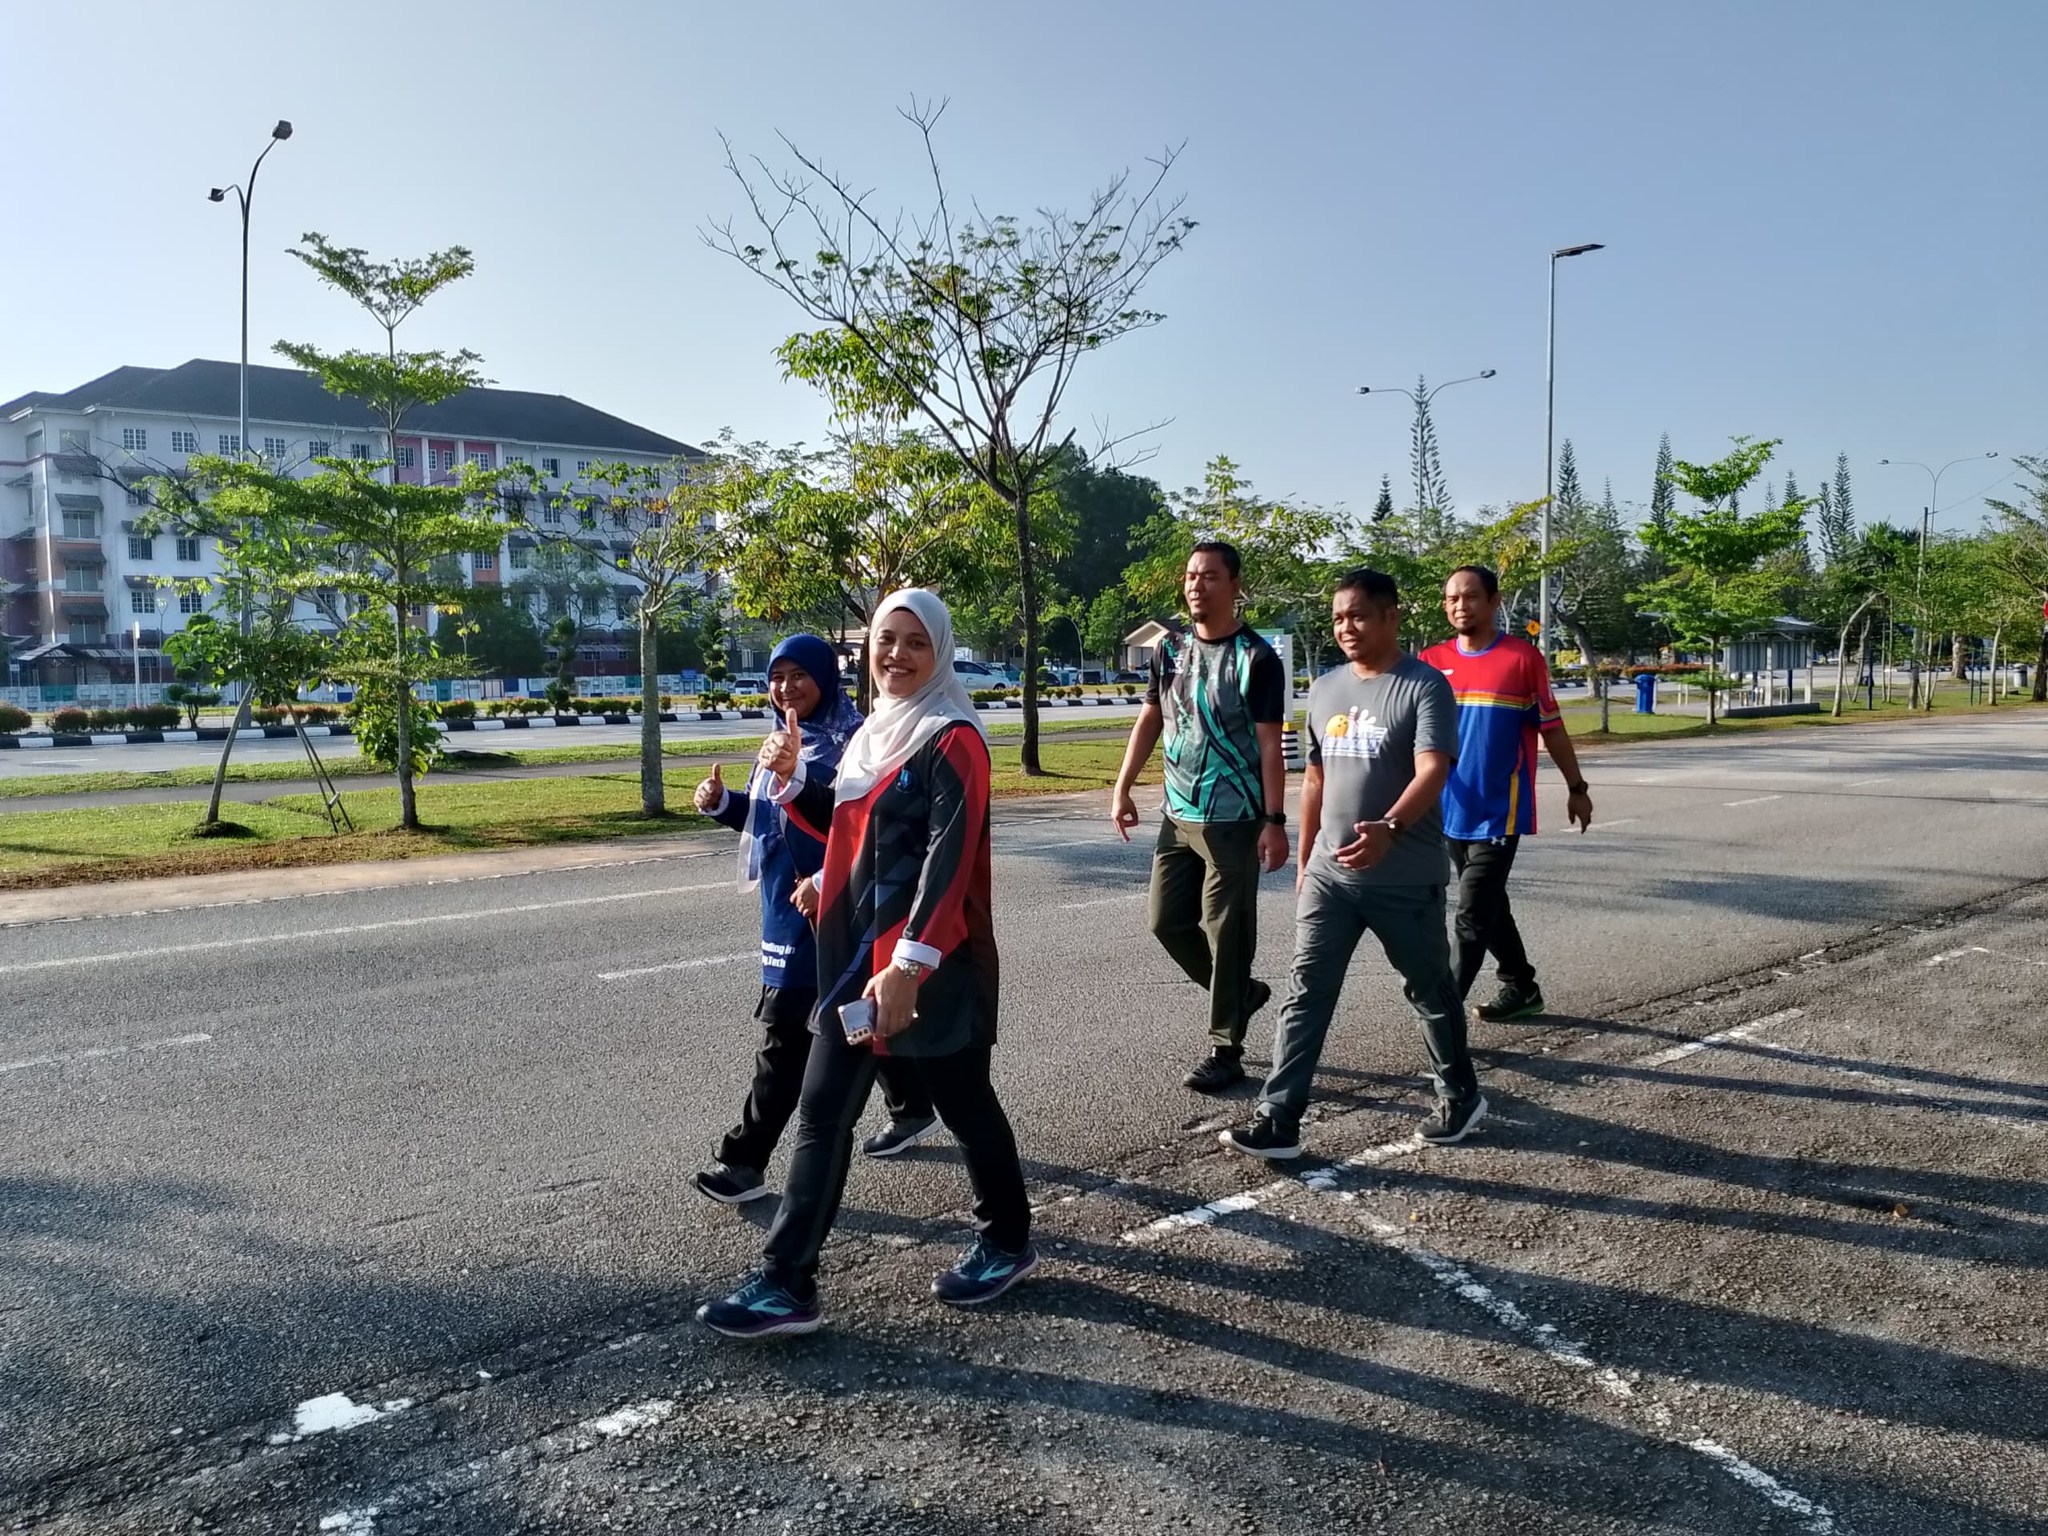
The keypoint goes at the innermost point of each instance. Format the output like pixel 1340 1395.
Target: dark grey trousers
pixel 1330 917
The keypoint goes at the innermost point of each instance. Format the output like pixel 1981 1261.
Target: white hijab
pixel 897 728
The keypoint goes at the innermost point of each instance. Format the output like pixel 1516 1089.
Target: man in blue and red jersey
pixel 1502 685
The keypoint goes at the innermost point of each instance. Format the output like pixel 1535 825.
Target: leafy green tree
pixel 1106 510
pixel 1590 585
pixel 2021 555
pixel 976 322
pixel 1720 584
pixel 563 637
pixel 1110 618
pixel 663 528
pixel 496 632
pixel 712 633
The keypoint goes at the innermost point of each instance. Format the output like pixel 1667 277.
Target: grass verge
pixel 42 849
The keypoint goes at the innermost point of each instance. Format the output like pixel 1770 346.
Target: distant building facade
pixel 78 577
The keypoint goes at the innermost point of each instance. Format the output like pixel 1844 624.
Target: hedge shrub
pixel 70 718
pixel 13 720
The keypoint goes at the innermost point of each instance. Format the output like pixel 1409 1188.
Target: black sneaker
pixel 1512 1003
pixel 983 1273
pixel 900 1136
pixel 1217 1072
pixel 731 1184
pixel 1265 1137
pixel 1256 996
pixel 759 1309
pixel 1450 1122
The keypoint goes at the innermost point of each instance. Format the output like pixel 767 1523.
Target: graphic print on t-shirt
pixel 1354 733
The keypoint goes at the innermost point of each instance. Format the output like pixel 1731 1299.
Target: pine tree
pixel 1570 498
pixel 1838 517
pixel 1791 486
pixel 1770 495
pixel 1383 508
pixel 1663 494
pixel 1432 495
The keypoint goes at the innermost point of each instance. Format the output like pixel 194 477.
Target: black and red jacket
pixel 907 876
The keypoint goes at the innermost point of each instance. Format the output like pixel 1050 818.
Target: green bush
pixel 13 720
pixel 266 714
pixel 157 717
pixel 70 718
pixel 107 719
pixel 376 727
pixel 459 709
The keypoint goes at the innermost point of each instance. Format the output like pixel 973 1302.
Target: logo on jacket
pixel 903 779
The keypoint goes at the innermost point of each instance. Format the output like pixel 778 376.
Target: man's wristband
pixel 1576 789
pixel 1276 818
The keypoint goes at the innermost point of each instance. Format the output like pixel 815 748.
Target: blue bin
pixel 1646 693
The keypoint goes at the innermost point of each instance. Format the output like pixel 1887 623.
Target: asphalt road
pixel 1754 1242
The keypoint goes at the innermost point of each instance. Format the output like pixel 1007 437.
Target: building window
pixel 316 449
pixel 551 466
pixel 142 600
pixel 188 549
pixel 73 440
pixel 625 602
pixel 359 450
pixel 516 557
pixel 230 444
pixel 480 457
pixel 444 460
pixel 552 512
pixel 191 602
pixel 81 525
pixel 141 547
pixel 484 563
pixel 184 442
pixel 583 466
pixel 138 494
pixel 405 458
pixel 273 448
pixel 81 578
pixel 86 632
pixel 135 439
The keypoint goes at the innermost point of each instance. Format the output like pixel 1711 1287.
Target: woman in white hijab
pixel 906 966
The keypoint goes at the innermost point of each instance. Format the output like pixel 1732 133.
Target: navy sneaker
pixel 1450 1122
pixel 900 1136
pixel 760 1309
pixel 984 1274
pixel 1265 1137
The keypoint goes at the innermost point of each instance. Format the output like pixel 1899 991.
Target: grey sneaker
pixel 1512 1003
pixel 1450 1122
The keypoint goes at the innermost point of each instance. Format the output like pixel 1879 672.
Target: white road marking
pixel 1321 1178
pixel 352 1522
pixel 1708 1042
pixel 214 945
pixel 1860 783
pixel 1957 954
pixel 335 1411
pixel 631 1418
pixel 1753 800
pixel 1604 826
pixel 1891 1086
pixel 675 965
pixel 1106 901
pixel 1818 1519
pixel 100 1051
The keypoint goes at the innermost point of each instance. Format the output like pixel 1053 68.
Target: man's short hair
pixel 1380 589
pixel 1486 577
pixel 1227 553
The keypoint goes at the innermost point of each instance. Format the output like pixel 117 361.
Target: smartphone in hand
pixel 857 1019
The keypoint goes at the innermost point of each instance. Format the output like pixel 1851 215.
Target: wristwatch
pixel 1277 818
pixel 1576 789
pixel 1392 824
pixel 914 969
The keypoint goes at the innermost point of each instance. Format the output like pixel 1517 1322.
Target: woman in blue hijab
pixel 803 676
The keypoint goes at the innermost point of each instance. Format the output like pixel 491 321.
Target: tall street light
pixel 1550 446
pixel 1422 404
pixel 1920 574
pixel 244 195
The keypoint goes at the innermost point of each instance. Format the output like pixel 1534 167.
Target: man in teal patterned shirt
pixel 1219 695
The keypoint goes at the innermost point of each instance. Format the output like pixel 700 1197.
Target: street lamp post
pixel 244 196
pixel 1550 447
pixel 1920 572
pixel 1422 400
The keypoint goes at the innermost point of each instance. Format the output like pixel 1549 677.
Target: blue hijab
pixel 826 730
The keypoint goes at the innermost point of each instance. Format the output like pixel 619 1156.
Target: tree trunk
pixel 1842 649
pixel 652 799
pixel 1027 581
pixel 1598 684
pixel 220 769
pixel 1958 659
pixel 1991 671
pixel 408 807
pixel 2040 694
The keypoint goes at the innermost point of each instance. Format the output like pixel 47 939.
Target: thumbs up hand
pixel 712 791
pixel 779 751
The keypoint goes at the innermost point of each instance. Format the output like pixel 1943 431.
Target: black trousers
pixel 785 1015
pixel 836 1086
pixel 1485 921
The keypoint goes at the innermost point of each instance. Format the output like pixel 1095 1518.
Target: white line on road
pixel 1753 800
pixel 1106 901
pixel 1817 1518
pixel 1608 826
pixel 1708 1042
pixel 212 945
pixel 1957 954
pixel 675 965
pixel 98 1052
pixel 1321 1178
pixel 1860 783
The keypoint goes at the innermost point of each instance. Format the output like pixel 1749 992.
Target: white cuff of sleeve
pixel 923 954
pixel 724 799
pixel 785 790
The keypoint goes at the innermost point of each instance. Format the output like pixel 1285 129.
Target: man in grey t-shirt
pixel 1383 734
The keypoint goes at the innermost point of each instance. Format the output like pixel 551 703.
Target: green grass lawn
pixel 45 848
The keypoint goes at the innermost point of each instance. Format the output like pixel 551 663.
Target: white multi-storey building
pixel 77 577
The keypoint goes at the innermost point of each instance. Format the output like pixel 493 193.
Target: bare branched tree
pixel 976 322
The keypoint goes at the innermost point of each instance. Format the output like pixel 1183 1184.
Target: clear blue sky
pixel 1824 219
